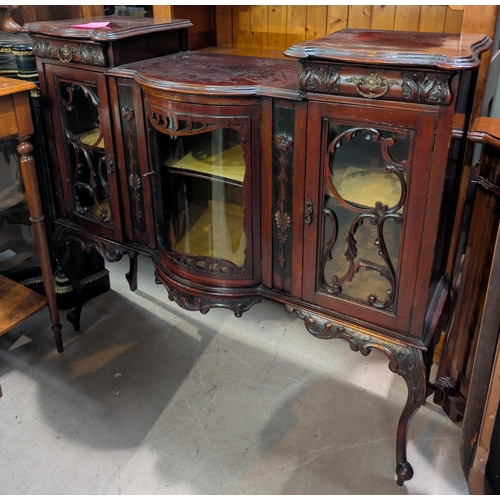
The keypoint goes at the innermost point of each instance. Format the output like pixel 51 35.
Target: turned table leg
pixel 37 219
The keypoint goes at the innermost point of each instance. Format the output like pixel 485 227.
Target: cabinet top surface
pixel 212 74
pixel 440 50
pixel 10 86
pixel 118 27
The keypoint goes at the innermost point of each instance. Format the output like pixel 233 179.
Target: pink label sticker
pixel 91 25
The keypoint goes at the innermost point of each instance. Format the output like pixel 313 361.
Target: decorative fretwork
pixel 429 89
pixel 172 123
pixel 89 178
pixel 377 216
pixel 282 219
pixel 320 78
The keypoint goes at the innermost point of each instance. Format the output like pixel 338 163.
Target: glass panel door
pixel 368 172
pixel 365 175
pixel 85 139
pixel 202 178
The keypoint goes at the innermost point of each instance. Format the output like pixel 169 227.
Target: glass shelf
pixel 227 164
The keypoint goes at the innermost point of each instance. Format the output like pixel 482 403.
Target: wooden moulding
pixel 395 48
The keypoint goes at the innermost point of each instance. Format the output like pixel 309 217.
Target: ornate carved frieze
pixel 320 78
pixel 427 88
pixel 209 265
pixel 88 53
pixel 238 305
pixel 282 219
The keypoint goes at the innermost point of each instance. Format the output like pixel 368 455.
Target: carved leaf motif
pixel 134 181
pixel 320 78
pixel 429 89
pixel 91 54
pixel 42 48
pixel 283 223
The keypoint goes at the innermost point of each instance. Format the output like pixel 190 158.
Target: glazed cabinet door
pixel 85 149
pixel 206 170
pixel 367 176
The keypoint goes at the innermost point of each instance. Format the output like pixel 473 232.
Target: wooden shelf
pixel 17 303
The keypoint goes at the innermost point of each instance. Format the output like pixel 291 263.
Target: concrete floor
pixel 150 398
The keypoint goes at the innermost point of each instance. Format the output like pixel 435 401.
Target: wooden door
pixel 85 148
pixel 368 170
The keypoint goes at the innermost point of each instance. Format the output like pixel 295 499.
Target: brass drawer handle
pixel 149 173
pixel 372 82
pixel 65 53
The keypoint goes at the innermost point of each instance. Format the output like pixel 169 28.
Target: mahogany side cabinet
pixel 320 181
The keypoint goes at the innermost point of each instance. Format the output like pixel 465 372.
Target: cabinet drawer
pixel 370 82
pixel 70 51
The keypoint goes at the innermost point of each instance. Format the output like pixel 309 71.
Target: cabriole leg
pixel 407 361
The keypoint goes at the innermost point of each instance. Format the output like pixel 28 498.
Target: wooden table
pixel 16 302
